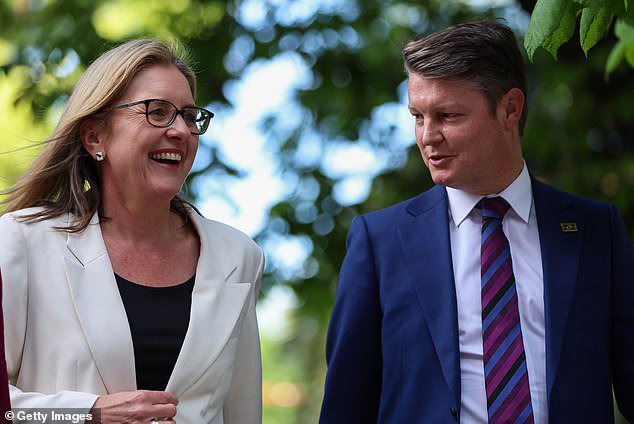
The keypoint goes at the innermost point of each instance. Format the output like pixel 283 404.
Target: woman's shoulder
pixel 25 228
pixel 21 213
pixel 229 234
pixel 220 228
pixel 34 218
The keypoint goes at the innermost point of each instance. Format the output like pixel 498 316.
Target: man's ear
pixel 90 133
pixel 512 104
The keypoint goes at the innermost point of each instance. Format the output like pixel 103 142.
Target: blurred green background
pixel 338 144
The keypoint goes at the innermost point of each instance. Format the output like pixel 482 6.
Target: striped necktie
pixel 505 372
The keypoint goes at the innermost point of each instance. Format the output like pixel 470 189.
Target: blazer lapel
pixel 99 307
pixel 427 236
pixel 215 310
pixel 561 249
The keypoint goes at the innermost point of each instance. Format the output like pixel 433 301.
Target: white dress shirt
pixel 520 227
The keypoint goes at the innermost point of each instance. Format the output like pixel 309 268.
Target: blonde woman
pixel 119 297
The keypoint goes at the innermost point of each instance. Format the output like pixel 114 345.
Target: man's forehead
pixel 417 79
pixel 441 92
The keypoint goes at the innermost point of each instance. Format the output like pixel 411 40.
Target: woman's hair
pixel 64 177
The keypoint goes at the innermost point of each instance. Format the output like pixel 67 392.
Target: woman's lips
pixel 167 158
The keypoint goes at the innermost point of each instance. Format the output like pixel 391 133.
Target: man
pixel 492 297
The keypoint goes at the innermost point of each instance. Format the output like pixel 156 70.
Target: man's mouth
pixel 439 160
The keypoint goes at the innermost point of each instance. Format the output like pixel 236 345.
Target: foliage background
pixel 578 134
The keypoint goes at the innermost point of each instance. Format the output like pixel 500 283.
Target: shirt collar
pixel 518 194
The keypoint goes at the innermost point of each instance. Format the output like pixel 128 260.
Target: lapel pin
pixel 569 227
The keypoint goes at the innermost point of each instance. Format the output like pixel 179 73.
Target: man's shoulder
pixel 410 208
pixel 548 196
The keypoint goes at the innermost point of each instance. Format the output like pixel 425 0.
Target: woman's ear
pixel 90 133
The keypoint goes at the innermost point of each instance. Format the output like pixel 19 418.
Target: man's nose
pixel 430 133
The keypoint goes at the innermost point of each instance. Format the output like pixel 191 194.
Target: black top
pixel 158 318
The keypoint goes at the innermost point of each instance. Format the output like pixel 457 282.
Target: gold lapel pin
pixel 569 227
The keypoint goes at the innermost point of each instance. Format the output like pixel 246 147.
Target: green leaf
pixel 626 11
pixel 629 53
pixel 620 8
pixel 624 48
pixel 545 20
pixel 614 59
pixel 624 31
pixel 593 4
pixel 564 31
pixel 594 26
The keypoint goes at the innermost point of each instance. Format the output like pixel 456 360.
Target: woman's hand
pixel 140 406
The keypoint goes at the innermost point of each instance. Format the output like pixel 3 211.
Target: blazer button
pixel 454 413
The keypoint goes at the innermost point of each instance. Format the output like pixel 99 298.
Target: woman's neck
pixel 140 222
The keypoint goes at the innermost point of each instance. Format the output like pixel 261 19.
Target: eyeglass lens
pixel 162 114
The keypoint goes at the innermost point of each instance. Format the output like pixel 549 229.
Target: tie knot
pixel 494 207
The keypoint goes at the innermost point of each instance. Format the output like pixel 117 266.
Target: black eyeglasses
pixel 161 113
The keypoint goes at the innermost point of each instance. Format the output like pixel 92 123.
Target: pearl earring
pixel 99 156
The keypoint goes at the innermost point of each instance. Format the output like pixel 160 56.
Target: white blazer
pixel 67 335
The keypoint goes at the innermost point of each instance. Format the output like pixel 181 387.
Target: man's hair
pixel 484 53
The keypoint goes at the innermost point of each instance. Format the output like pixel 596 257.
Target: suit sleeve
pixel 353 348
pixel 13 262
pixel 243 404
pixel 622 317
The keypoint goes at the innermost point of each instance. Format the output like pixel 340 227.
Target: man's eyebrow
pixel 442 106
pixel 449 104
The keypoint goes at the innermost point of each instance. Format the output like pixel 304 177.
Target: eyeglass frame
pixel 180 112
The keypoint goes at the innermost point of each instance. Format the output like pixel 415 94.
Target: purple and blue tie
pixel 505 372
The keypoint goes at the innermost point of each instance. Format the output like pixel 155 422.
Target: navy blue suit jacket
pixel 392 346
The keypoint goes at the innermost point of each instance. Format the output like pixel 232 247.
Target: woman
pixel 119 298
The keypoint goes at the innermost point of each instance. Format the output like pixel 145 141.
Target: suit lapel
pixel 427 236
pixel 99 307
pixel 215 310
pixel 560 261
